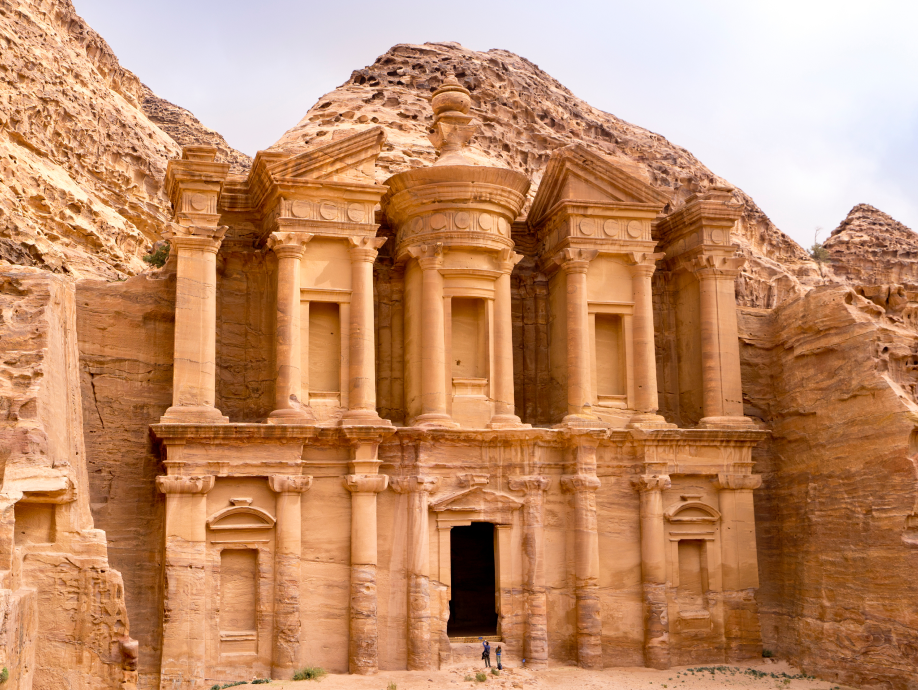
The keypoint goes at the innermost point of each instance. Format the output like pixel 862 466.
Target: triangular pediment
pixel 577 174
pixel 348 159
pixel 477 499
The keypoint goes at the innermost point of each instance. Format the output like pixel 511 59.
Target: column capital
pixel 706 266
pixel 195 237
pixel 414 484
pixel 289 245
pixel 365 249
pixel 651 482
pixel 429 256
pixel 644 263
pixel 737 482
pixel 573 483
pixel 575 260
pixel 366 483
pixel 289 483
pixel 529 483
pixel 171 484
pixel 507 259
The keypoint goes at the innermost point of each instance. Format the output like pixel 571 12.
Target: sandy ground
pixel 466 663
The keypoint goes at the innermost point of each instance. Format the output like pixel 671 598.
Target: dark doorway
pixel 472 609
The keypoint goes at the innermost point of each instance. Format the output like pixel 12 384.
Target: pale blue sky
pixel 810 106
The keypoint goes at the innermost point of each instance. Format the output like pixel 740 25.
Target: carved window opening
pixel 34 523
pixel 473 600
pixel 469 349
pixel 693 571
pixel 611 384
pixel 238 601
pixel 324 350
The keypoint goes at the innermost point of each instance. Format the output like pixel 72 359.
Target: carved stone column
pixel 289 405
pixel 193 378
pixel 504 416
pixel 645 362
pixel 362 392
pixel 739 565
pixel 575 263
pixel 433 338
pixel 653 569
pixel 287 552
pixel 722 401
pixel 535 647
pixel 184 614
pixel 364 484
pixel 418 490
pixel 586 567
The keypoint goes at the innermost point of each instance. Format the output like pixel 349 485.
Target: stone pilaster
pixel 433 338
pixel 504 416
pixel 362 379
pixel 742 634
pixel 184 615
pixel 653 569
pixel 193 378
pixel 290 408
pixel 646 403
pixel 535 647
pixel 419 633
pixel 722 401
pixel 363 647
pixel 575 263
pixel 583 488
pixel 287 554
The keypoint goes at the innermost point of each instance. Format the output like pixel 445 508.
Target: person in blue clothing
pixel 499 666
pixel 486 653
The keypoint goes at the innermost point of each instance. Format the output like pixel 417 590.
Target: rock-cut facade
pixel 398 497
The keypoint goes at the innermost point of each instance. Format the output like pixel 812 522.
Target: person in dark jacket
pixel 486 653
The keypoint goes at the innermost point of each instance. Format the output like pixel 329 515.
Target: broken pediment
pixel 348 159
pixel 692 511
pixel 479 500
pixel 241 517
pixel 576 174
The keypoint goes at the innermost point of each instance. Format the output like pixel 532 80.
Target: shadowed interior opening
pixel 473 607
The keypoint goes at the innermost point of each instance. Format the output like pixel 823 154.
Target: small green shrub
pixel 767 653
pixel 157 259
pixel 468 679
pixel 261 681
pixel 392 685
pixel 309 673
pixel 480 677
pixel 227 685
pixel 4 675
pixel 495 672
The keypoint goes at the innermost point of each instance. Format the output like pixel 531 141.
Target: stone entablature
pixel 288 523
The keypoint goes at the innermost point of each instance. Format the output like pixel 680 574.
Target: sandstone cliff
pixel 81 158
pixel 870 247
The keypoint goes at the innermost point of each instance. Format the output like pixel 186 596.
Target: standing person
pixel 486 654
pixel 499 666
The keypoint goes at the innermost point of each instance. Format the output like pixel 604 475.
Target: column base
pixel 646 420
pixel 726 422
pixel 577 421
pixel 363 418
pixel 507 421
pixel 303 415
pixel 193 414
pixel 435 420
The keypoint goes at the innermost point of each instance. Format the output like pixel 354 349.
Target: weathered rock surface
pixel 81 163
pixel 72 630
pixel 870 247
pixel 836 526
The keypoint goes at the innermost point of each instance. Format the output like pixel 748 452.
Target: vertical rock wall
pixel 126 342
pixel 64 618
pixel 836 555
